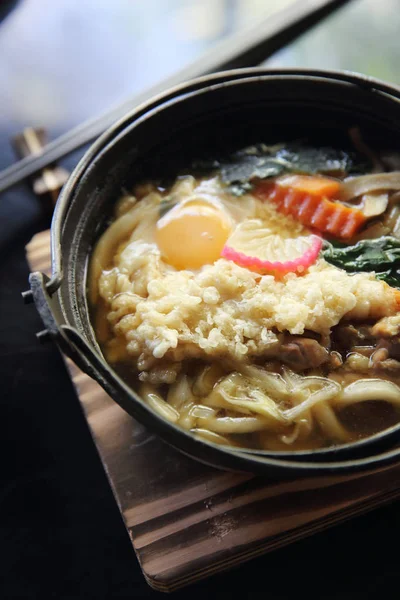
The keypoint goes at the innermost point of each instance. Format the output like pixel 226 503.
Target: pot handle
pixel 68 338
pixel 84 356
pixel 47 304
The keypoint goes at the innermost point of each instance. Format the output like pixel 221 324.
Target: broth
pixel 255 302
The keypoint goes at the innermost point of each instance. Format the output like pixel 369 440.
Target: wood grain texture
pixel 187 521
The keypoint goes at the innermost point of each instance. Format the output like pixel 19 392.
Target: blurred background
pixel 65 61
pixel 62 62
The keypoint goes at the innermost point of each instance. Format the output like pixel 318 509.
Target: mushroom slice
pixel 374 204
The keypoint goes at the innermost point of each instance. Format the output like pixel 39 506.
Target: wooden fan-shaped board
pixel 187 520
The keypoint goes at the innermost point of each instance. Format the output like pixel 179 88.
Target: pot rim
pixel 178 93
pixel 62 205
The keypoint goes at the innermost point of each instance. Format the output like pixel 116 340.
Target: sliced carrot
pixel 308 208
pixel 316 185
pixel 306 198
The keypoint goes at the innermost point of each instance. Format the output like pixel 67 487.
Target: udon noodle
pixel 255 301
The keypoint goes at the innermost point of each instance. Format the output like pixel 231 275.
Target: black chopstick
pixel 246 48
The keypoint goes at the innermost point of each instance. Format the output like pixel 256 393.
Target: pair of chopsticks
pixel 244 49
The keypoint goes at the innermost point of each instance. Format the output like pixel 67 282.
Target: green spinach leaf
pixel 263 161
pixel 392 277
pixel 381 255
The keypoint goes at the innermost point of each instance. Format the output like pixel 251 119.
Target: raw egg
pixel 192 234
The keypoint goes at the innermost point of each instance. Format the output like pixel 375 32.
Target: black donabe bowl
pixel 199 119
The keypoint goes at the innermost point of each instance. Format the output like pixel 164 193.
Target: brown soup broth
pixel 239 312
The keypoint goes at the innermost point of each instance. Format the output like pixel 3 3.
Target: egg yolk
pixel 192 235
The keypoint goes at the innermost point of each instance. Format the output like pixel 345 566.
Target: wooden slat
pixel 187 521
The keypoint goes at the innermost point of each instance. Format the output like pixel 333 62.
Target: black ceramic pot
pixel 214 113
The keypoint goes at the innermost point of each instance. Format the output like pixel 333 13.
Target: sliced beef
pixel 388 367
pixel 387 348
pixel 301 353
pixel 346 336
